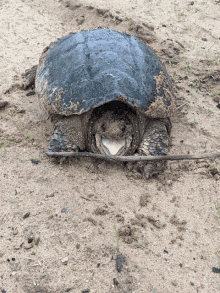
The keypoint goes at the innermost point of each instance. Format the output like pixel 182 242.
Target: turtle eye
pixel 104 126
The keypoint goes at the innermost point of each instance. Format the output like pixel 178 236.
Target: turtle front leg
pixel 29 77
pixel 68 135
pixel 156 142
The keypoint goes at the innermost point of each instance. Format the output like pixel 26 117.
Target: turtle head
pixel 113 134
pixel 113 130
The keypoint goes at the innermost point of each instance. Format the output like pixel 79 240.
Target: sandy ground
pixel 58 223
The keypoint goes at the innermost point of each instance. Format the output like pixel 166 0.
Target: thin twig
pixel 133 158
pixel 182 105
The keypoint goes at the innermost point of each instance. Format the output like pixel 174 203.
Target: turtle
pixel 106 92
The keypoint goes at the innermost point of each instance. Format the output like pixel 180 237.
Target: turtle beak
pixel 114 147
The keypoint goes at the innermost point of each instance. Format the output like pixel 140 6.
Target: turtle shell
pixel 89 68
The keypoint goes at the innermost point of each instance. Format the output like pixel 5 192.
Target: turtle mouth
pixel 111 146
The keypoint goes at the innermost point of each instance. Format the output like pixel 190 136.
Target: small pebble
pixel 180 265
pixel 165 251
pixel 191 283
pixel 119 262
pixel 26 215
pixel 218 106
pixel 192 3
pixel 86 291
pixel 115 282
pixel 216 270
pixel 50 195
pixel 11 259
pixel 35 162
pixel 15 231
pixel 63 210
pixel 64 260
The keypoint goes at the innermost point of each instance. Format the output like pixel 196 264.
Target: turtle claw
pixel 57 143
pixel 63 160
pixel 73 148
pixel 151 170
pixel 147 171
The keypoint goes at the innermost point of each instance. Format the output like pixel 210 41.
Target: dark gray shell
pixel 92 67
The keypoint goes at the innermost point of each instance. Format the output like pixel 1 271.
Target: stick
pixel 182 105
pixel 133 158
